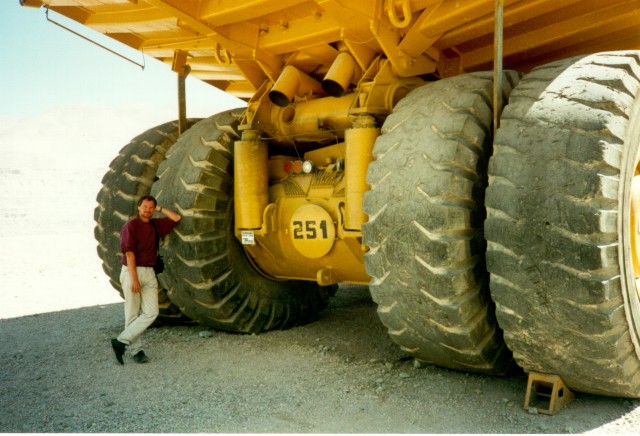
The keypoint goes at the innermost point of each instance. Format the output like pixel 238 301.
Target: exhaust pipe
pixel 342 72
pixel 292 82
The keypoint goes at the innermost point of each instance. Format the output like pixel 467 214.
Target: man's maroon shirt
pixel 140 237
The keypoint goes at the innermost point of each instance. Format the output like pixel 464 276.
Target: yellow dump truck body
pixel 235 45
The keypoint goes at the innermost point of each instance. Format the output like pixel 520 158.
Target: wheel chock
pixel 546 393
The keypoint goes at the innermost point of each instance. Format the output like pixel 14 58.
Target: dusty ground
pixel 340 374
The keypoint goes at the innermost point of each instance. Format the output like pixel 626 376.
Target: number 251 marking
pixel 309 229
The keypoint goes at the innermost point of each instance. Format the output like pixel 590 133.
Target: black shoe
pixel 118 348
pixel 140 357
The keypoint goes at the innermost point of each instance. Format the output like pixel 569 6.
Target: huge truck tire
pixel 130 176
pixel 208 275
pixel 559 225
pixel 424 233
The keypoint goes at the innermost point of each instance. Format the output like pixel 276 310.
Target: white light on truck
pixel 307 166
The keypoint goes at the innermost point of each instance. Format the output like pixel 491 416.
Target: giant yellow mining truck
pixel 472 161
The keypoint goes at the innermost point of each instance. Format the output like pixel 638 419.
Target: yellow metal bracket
pixel 546 393
pixel 393 17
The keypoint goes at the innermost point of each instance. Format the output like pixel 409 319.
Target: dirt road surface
pixel 340 374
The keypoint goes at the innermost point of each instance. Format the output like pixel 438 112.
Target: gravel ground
pixel 340 374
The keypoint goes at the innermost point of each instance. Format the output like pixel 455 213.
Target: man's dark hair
pixel 148 198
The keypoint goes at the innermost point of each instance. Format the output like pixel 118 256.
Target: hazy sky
pixel 44 67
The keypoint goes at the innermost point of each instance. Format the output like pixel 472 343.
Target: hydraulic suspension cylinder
pixel 250 180
pixel 359 142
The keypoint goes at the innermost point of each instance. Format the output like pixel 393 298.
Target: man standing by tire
pixel 139 244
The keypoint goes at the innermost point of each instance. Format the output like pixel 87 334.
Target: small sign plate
pixel 248 237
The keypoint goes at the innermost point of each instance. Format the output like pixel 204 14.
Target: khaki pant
pixel 141 309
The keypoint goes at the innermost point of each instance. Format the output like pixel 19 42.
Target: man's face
pixel 146 209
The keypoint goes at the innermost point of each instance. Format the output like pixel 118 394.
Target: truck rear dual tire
pixel 426 214
pixel 559 224
pixel 208 275
pixel 130 176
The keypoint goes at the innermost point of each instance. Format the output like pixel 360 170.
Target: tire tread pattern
pixel 552 206
pixel 425 208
